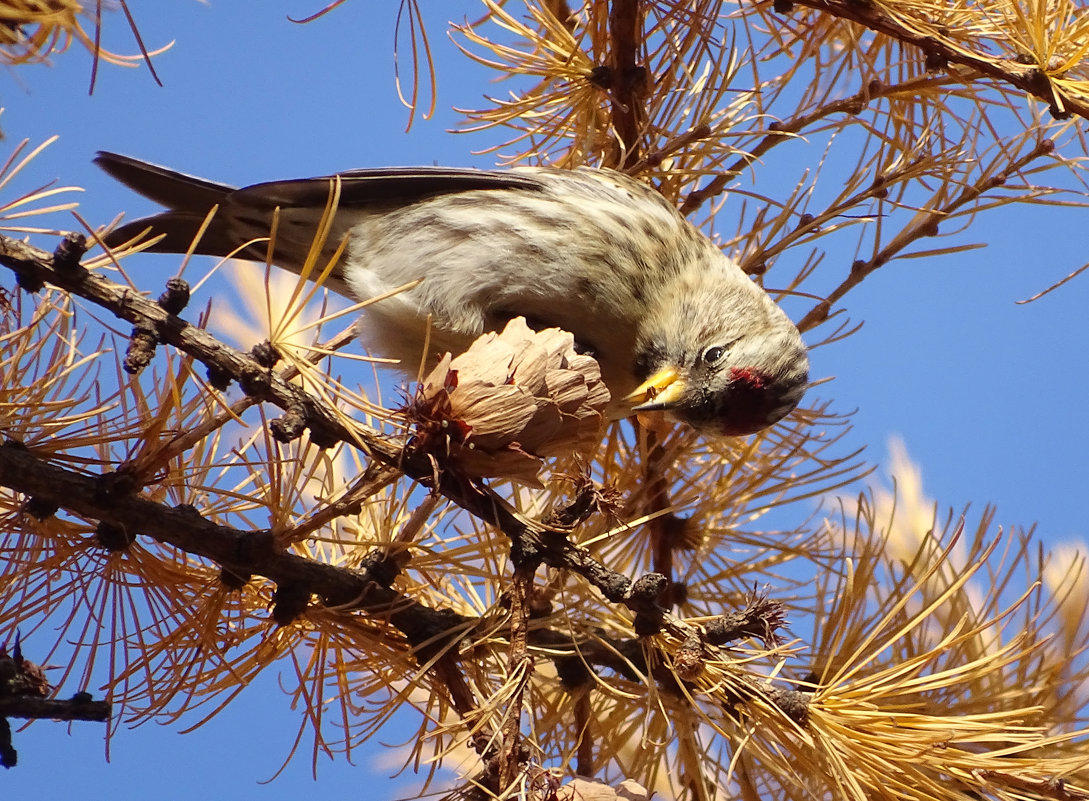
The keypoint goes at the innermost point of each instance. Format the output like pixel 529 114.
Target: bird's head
pixel 732 384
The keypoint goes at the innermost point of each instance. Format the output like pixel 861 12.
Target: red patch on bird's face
pixel 748 403
pixel 749 377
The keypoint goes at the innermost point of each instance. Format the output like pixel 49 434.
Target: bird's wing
pixel 380 187
pixel 246 213
pixel 383 186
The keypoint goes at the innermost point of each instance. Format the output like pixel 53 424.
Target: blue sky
pixel 989 396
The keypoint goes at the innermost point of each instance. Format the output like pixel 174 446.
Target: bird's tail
pixel 187 198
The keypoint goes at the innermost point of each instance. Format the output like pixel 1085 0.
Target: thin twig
pixel 1028 78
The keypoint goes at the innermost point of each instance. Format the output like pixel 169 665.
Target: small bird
pixel 675 325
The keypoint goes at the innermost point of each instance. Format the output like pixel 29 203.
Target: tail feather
pixel 178 230
pixel 188 198
pixel 240 217
pixel 169 188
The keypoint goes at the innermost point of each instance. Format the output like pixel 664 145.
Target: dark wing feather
pixel 384 186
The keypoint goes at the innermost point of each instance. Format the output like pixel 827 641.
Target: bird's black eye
pixel 713 354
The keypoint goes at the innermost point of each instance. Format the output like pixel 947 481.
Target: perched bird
pixel 674 324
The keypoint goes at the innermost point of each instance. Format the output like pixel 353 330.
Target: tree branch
pixel 80 707
pixel 1031 78
pixel 629 82
pixel 246 553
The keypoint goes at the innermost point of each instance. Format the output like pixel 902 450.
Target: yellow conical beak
pixel 663 390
